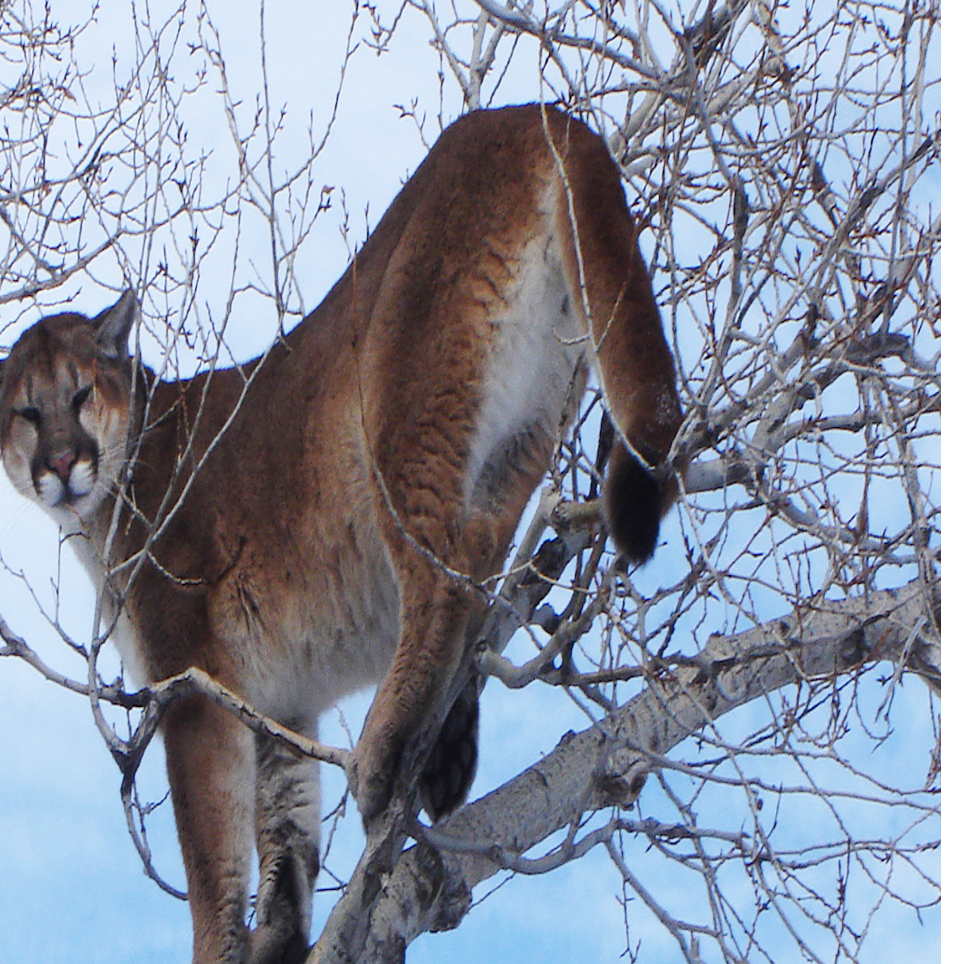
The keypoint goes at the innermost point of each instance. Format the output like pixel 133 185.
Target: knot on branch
pixel 853 648
pixel 622 789
pixel 443 894
pixel 620 775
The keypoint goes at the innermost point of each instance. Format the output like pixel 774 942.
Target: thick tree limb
pixel 605 765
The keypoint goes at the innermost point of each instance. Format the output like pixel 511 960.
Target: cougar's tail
pixel 609 278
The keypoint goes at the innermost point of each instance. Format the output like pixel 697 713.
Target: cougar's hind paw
pixel 451 765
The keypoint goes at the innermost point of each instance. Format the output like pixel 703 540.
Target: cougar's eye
pixel 80 397
pixel 30 414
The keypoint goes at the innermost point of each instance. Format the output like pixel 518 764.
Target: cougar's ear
pixel 113 325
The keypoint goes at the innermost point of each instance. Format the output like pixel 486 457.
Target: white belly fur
pixel 530 371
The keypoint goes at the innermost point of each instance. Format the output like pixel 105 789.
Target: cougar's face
pixel 64 414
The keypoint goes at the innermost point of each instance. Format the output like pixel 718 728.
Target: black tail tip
pixel 633 507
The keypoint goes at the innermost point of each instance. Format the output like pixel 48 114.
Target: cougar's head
pixel 65 394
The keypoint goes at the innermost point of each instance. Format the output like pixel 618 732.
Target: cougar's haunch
pixel 317 518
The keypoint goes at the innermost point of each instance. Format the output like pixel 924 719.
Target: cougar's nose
pixel 62 464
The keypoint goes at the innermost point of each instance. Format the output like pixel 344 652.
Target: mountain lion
pixel 373 469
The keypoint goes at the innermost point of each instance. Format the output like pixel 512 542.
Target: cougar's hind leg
pixel 434 613
pixel 287 830
pixel 505 485
pixel 211 772
pixel 453 487
pixel 442 601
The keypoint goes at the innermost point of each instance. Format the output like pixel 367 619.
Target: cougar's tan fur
pixel 375 465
